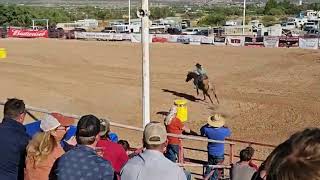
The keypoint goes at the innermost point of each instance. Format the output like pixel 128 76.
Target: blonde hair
pixel 41 145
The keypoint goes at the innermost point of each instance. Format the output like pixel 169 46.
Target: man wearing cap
pixel 215 130
pixel 13 140
pixel 82 161
pixel 151 164
pixel 113 152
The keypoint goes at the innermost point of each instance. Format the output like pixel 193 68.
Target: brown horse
pixel 203 85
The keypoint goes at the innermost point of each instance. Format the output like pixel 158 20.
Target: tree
pixel 213 19
pixel 270 4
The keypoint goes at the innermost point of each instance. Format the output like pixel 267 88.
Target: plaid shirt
pixel 82 163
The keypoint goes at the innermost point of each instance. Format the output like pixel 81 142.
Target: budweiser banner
pixel 27 33
pixel 271 42
pixel 308 43
pixel 286 41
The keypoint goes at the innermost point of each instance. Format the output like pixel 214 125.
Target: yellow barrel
pixel 182 111
pixel 3 53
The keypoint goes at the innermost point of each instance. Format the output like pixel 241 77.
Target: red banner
pixel 27 33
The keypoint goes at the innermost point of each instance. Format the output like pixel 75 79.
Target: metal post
pixel 231 156
pixel 244 17
pixel 32 24
pixel 145 63
pixel 47 24
pixel 129 21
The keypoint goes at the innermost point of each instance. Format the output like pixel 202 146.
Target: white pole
pixel 244 17
pixel 145 63
pixel 32 24
pixel 129 16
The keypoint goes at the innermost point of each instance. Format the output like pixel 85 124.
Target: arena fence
pixel 181 161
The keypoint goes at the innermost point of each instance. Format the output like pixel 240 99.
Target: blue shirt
pixel 13 140
pixel 82 163
pixel 215 149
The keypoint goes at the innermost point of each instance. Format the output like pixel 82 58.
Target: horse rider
pixel 202 74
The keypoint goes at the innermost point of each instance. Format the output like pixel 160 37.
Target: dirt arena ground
pixel 267 93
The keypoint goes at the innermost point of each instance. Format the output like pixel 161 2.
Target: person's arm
pixel 186 129
pixel 202 131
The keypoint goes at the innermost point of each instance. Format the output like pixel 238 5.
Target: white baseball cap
pixel 49 123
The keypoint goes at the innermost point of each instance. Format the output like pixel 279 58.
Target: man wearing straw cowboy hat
pixel 215 130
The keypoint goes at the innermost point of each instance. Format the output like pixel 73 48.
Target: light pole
pixel 129 21
pixel 244 17
pixel 144 14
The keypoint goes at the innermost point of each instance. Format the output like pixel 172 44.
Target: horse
pixel 203 85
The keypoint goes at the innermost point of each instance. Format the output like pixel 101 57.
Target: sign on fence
pixel 271 42
pixel 219 41
pixel 286 41
pixel 27 33
pixel 235 40
pixel 308 43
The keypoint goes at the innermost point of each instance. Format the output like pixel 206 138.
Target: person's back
pixel 151 165
pixel 13 140
pixel 242 171
pixel 114 153
pixel 82 161
pixel 215 133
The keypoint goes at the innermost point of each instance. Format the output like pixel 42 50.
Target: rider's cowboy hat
pixel 198 65
pixel 216 120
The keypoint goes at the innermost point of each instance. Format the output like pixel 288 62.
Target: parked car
pixel 191 31
pixel 309 25
pixel 71 35
pixel 174 31
pixel 108 31
pixel 289 25
pixel 54 32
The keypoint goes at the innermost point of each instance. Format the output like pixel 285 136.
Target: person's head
pixel 198 65
pixel 125 144
pixel 155 136
pixel 297 158
pixel 56 124
pixel 216 120
pixel 15 109
pixel 251 150
pixel 245 155
pixel 88 129
pixel 44 142
pixel 104 128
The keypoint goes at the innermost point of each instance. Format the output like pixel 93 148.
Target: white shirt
pixel 151 165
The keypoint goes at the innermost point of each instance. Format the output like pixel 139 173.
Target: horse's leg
pixel 209 97
pixel 197 91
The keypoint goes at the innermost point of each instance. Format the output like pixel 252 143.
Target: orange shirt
pixel 175 127
pixel 43 168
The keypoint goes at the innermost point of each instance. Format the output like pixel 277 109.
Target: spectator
pixel 112 152
pixel 251 150
pixel 260 174
pixel 242 170
pixel 175 126
pixel 125 144
pixel 82 162
pixel 151 164
pixel 45 148
pixel 215 130
pixel 13 140
pixel 297 158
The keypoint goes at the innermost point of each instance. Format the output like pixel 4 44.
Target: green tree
pixel 213 20
pixel 269 5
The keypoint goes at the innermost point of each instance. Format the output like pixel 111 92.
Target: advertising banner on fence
pixel 308 43
pixel 286 41
pixel 219 41
pixel 235 40
pixel 207 40
pixel 253 41
pixel 99 36
pixel 271 41
pixel 136 38
pixel 27 33
pixel 195 40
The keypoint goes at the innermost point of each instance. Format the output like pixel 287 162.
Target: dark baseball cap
pixel 88 126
